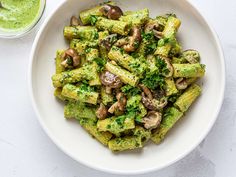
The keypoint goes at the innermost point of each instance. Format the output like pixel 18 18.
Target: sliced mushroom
pixel 111 12
pixel 192 56
pixel 154 104
pixel 109 41
pixel 110 80
pixel 121 99
pixel 108 90
pixel 181 84
pixel 160 103
pixel 150 26
pixel 157 34
pixel 158 94
pixel 71 52
pixel 74 21
pixel 101 112
pixel 70 58
pixel 168 65
pixel 118 106
pixel 146 91
pixel 148 102
pixel 153 26
pixel 152 120
pixel 131 43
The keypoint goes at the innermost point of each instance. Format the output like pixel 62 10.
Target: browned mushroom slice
pixel 150 26
pixel 131 43
pixel 121 99
pixel 158 34
pixel 76 61
pixel 71 52
pixel 160 103
pixel 108 90
pixel 147 102
pixel 101 112
pixel 146 91
pixel 70 58
pixel 168 65
pixel 158 94
pixel 154 104
pixel 153 26
pixel 152 120
pixel 74 21
pixel 110 80
pixel 134 40
pixel 111 12
pixel 119 106
pixel 109 41
pixel 181 84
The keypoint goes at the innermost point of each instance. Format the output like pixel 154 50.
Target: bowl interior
pixel 187 134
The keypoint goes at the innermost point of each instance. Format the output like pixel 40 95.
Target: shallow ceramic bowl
pixel 194 33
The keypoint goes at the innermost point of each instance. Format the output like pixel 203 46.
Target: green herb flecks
pixel 93 19
pixel 161 65
pixel 101 63
pixel 130 90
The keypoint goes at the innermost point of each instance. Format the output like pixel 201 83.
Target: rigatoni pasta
pixel 125 77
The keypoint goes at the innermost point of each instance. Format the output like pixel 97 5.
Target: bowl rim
pixel 123 172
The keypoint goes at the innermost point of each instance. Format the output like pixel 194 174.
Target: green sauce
pixel 18 14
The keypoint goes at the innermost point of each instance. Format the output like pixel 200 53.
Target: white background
pixel 26 151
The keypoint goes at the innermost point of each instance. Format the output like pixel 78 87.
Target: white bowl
pixel 73 140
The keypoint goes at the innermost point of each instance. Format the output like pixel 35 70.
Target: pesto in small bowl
pixel 18 17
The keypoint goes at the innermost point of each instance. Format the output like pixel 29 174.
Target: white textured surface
pixel 26 151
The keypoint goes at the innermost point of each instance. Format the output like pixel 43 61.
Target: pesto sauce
pixel 18 14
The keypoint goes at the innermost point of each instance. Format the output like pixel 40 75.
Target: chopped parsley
pixel 96 35
pixel 130 90
pixel 147 36
pixel 87 50
pixel 161 65
pixel 133 109
pixel 93 19
pixel 153 80
pixel 151 44
pixel 150 48
pixel 101 63
pixel 120 120
pixel 85 88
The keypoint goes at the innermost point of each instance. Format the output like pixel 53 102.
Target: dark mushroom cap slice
pixel 110 80
pixel 70 58
pixel 112 12
pixel 101 112
pixel 152 120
